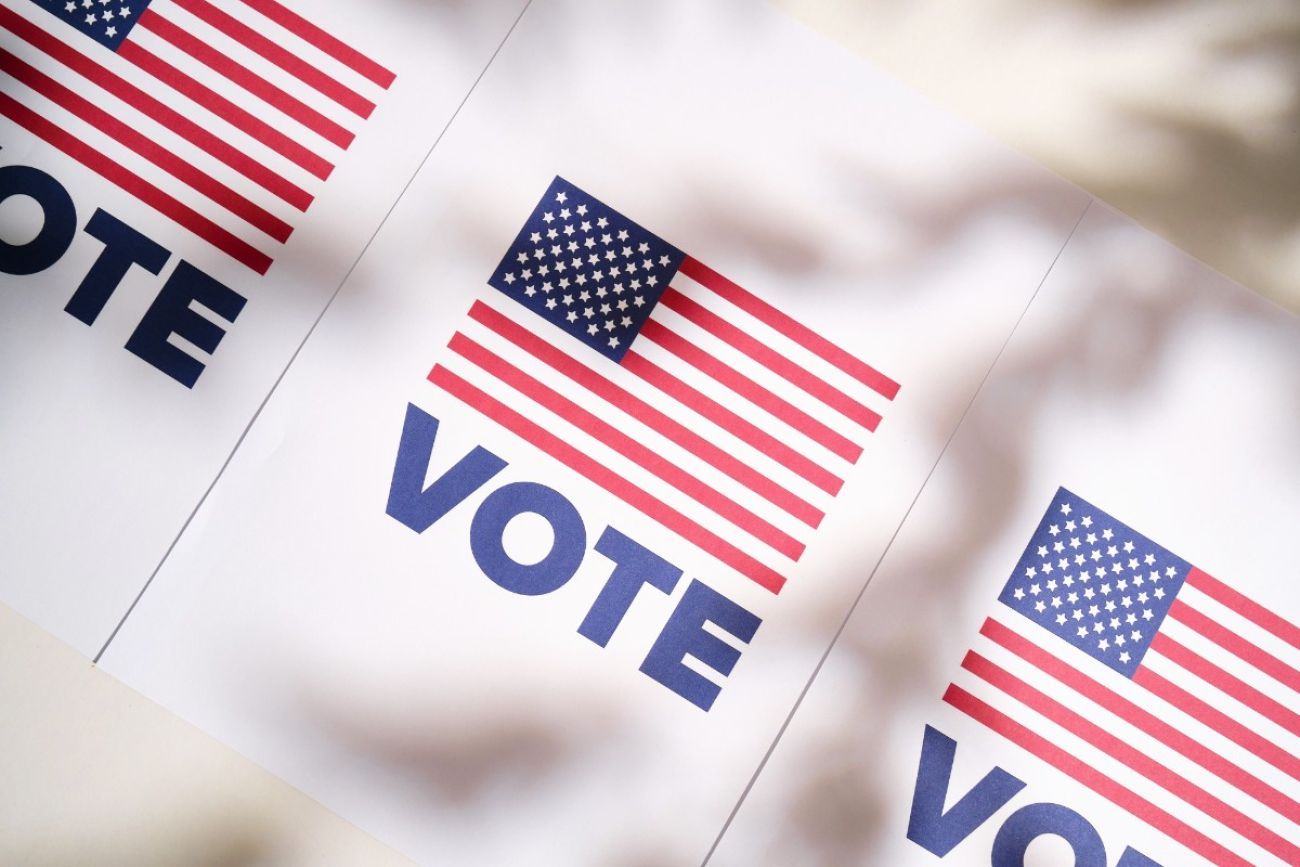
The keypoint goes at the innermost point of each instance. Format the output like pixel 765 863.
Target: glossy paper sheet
pixel 359 605
pixel 183 186
pixel 1129 695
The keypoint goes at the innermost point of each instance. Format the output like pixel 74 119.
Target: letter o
pixel 57 229
pixel 487 532
pixel 1033 821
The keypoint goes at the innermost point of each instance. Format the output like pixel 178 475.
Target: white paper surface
pixel 380 670
pixel 105 456
pixel 1156 390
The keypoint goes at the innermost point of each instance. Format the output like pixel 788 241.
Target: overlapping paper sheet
pixel 190 181
pixel 1082 646
pixel 455 582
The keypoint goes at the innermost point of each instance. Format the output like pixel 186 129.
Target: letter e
pixel 683 635
pixel 170 314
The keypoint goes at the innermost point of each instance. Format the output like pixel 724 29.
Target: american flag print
pixel 223 116
pixel 684 395
pixel 1148 681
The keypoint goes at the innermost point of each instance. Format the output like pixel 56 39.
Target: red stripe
pixel 751 391
pixel 1235 644
pixel 626 446
pixel 1218 721
pixel 247 79
pixel 1227 683
pixel 137 186
pixel 1247 608
pixel 732 423
pixel 313 35
pixel 770 358
pixel 1141 719
pixel 1127 755
pixel 638 499
pixel 224 108
pixel 1103 785
pixel 645 413
pixel 280 56
pixel 145 147
pixel 796 331
pixel 155 110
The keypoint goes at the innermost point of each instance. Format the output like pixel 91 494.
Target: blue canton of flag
pixel 1095 582
pixel 106 21
pixel 583 266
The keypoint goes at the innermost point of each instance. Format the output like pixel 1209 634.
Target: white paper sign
pixel 1093 596
pixel 183 186
pixel 403 597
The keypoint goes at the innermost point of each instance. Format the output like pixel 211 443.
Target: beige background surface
pixel 1182 114
pixel 93 773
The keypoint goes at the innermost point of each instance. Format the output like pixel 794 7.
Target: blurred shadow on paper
pixel 828 816
pixel 1234 195
pixel 1185 115
pixel 1114 344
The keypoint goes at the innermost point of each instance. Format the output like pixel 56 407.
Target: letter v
pixel 408 500
pixel 930 827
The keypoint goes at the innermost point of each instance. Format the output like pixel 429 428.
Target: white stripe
pixel 168 97
pixel 256 63
pixel 724 437
pixel 759 373
pixel 1234 622
pixel 1241 713
pixel 719 436
pixel 607 457
pixel 1146 744
pixel 783 345
pixel 309 53
pixel 1112 768
pixel 221 85
pixel 723 395
pixel 1231 663
pixel 733 401
pixel 627 424
pixel 153 131
pixel 1189 725
pixel 129 160
pixel 229 90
